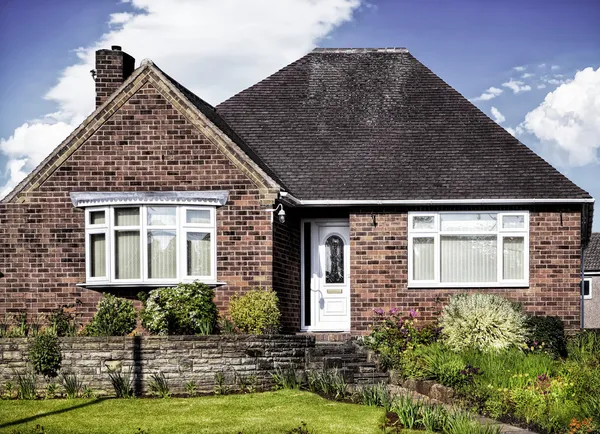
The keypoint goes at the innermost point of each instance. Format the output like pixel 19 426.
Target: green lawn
pixel 270 412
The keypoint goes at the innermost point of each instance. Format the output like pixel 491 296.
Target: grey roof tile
pixel 592 253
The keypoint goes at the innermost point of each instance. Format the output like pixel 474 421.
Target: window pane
pixel 334 260
pixel 97 218
pixel 97 255
pixel 162 254
pixel 423 259
pixel 198 216
pixel 423 222
pixel 513 252
pixel 513 222
pixel 127 216
pixel 586 288
pixel 463 222
pixel 468 258
pixel 162 216
pixel 198 254
pixel 127 251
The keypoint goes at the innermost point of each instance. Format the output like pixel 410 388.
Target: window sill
pixel 99 285
pixel 465 285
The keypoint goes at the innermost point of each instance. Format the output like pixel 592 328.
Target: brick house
pixel 591 283
pixel 349 180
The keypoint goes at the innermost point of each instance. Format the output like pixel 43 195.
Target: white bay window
pixel 146 244
pixel 468 249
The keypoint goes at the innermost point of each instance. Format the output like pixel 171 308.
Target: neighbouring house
pixel 351 179
pixel 591 283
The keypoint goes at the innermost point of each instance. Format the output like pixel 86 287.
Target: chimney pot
pixel 116 48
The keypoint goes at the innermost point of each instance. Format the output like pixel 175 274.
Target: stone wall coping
pixel 207 338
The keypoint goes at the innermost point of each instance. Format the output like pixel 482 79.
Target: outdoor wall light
pixel 280 214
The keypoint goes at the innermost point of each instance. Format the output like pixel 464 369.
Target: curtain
pixel 162 216
pixel 513 251
pixel 423 259
pixel 198 216
pixel 469 258
pixel 162 254
pixel 127 216
pixel 98 255
pixel 127 251
pixel 198 254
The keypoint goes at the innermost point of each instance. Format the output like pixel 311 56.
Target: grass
pixel 270 412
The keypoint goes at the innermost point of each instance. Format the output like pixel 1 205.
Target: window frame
pixel 590 295
pixel 181 227
pixel 436 233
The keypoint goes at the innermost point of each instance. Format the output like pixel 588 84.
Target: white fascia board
pixel 332 202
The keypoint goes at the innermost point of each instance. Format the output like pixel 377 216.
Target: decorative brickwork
pixel 379 264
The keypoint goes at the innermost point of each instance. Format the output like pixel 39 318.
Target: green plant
pixel 159 385
pixel 185 309
pixel 330 383
pixel 461 422
pixel 434 418
pixel 227 327
pixel 37 429
pixel 26 385
pixel 45 355
pixel 547 334
pixel 114 317
pixel 221 388
pixel 9 388
pixel 255 312
pixel 50 390
pixel 286 378
pixel 375 395
pixel 584 347
pixel 72 384
pixel 301 429
pixel 87 392
pixel 191 388
pixel 122 383
pixel 62 321
pixel 408 411
pixel 485 322
pixel 247 383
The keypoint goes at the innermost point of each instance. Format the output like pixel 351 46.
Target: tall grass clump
pixel 72 384
pixel 484 322
pixel 122 384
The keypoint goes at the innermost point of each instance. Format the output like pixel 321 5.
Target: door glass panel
pixel 162 216
pixel 334 260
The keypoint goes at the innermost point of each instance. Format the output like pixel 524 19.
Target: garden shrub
pixel 547 334
pixel 115 317
pixel 45 355
pixel 186 309
pixel 62 321
pixel 484 322
pixel 255 312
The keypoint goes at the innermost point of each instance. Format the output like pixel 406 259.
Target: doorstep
pixel 328 336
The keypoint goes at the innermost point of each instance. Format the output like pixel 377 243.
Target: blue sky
pixel 527 52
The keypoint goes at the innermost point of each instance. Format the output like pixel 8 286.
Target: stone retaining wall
pixel 180 358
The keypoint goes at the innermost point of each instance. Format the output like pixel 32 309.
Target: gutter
pixel 336 202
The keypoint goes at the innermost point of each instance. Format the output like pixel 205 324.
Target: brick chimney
pixel 112 69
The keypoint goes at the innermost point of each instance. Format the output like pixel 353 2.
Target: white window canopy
pixel 100 198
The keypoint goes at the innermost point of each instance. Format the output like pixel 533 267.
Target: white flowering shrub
pixel 484 322
pixel 186 309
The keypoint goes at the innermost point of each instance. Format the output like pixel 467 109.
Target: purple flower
pixel 378 311
pixel 413 313
pixel 393 311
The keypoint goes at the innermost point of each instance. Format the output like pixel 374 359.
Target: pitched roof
pixel 377 124
pixel 592 253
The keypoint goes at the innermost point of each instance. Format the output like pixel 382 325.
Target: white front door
pixel 330 276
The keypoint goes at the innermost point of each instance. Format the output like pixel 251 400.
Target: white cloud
pixel 520 68
pixel 567 122
pixel 541 86
pixel 554 67
pixel 214 48
pixel 488 94
pixel 527 75
pixel 517 86
pixel 498 117
pixel 542 65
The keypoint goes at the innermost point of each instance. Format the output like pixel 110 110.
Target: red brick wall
pixel 145 146
pixel 379 268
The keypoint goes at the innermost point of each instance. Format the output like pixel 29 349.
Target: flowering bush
pixel 255 312
pixel 185 309
pixel 483 322
pixel 392 335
